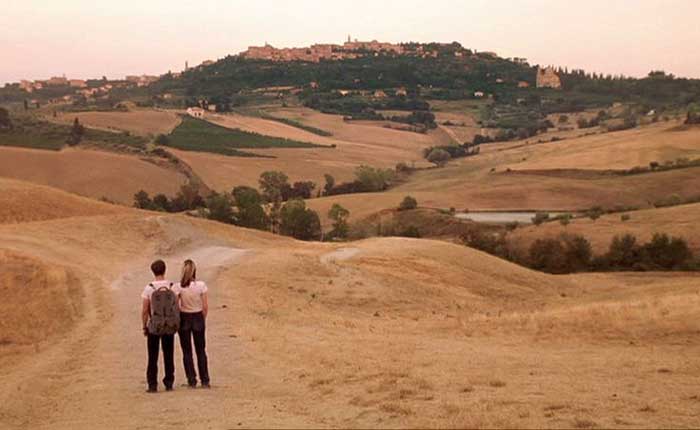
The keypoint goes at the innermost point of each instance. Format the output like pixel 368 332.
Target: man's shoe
pixel 206 385
pixel 152 390
pixel 168 388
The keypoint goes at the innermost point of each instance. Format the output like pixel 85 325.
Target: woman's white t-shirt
pixel 191 296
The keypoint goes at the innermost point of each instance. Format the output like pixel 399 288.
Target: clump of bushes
pixel 573 253
pixel 408 203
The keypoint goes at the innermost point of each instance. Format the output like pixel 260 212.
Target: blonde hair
pixel 189 273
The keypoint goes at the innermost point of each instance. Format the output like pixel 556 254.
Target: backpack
pixel 165 312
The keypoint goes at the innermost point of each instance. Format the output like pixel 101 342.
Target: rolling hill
pixel 384 332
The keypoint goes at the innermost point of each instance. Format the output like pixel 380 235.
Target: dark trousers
pixel 192 327
pixel 154 344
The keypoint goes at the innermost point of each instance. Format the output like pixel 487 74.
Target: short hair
pixel 158 268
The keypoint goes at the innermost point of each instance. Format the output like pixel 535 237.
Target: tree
pixel 439 157
pixel 667 253
pixel 219 206
pixel 302 190
pixel 408 203
pixel 330 183
pixel 142 200
pixel 373 179
pixel 577 253
pixel 187 198
pixel 246 196
pixel 161 203
pixel 340 216
pixel 250 213
pixel 548 256
pixel 5 121
pixel 273 185
pixel 299 222
pixel 624 252
pixel 76 133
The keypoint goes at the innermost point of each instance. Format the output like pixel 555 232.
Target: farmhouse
pixel 195 112
pixel 77 83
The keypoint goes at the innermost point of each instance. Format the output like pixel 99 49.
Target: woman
pixel 193 315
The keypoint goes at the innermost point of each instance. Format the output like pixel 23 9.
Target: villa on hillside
pixel 195 112
pixel 548 78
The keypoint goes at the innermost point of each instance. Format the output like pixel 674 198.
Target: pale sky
pixel 88 38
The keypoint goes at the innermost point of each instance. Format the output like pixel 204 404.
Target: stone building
pixel 547 78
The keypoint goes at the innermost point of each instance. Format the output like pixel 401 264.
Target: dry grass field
pixel 22 203
pixel 485 182
pixel 680 221
pixel 620 150
pixel 356 143
pixel 89 173
pixel 377 333
pixel 141 122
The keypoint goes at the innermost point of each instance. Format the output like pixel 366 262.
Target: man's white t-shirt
pixel 148 291
pixel 191 296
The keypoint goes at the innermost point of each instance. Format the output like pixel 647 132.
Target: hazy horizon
pixel 82 40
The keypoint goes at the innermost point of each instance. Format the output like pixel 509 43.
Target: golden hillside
pixel 384 333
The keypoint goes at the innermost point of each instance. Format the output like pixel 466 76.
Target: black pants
pixel 154 343
pixel 192 326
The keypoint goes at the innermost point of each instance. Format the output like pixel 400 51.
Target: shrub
pixel 439 157
pixel 410 231
pixel 162 139
pixel 540 217
pixel 408 203
pixel 594 213
pixel 565 219
pixel 625 217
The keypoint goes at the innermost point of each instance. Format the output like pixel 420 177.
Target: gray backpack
pixel 165 312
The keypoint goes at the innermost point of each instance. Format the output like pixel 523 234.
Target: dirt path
pixel 98 380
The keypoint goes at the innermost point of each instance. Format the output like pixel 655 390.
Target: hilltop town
pixel 352 49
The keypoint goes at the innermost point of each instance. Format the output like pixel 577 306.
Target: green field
pixel 32 133
pixel 199 135
pixel 297 124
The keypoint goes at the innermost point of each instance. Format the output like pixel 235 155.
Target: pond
pixel 502 217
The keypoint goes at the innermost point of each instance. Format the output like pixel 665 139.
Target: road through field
pixel 99 381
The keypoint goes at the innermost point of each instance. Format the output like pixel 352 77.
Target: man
pixel 159 294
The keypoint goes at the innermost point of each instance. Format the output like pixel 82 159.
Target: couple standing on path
pixel 169 308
